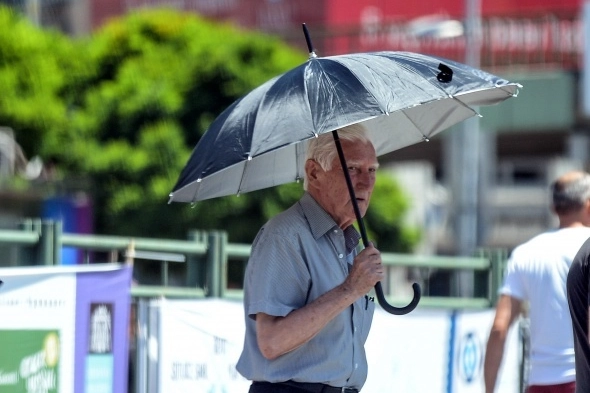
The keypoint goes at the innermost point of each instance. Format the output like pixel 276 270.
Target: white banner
pixel 407 353
pixel 425 351
pixel 200 343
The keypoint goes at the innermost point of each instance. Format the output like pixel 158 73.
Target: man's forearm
pixel 493 359
pixel 279 335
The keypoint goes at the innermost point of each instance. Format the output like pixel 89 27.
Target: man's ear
pixel 311 170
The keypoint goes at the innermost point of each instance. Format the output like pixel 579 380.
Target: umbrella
pixel 401 98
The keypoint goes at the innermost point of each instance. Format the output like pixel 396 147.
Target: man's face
pixel 329 187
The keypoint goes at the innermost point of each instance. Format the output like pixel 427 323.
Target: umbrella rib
pixel 306 100
pixel 467 106
pixel 255 120
pixel 243 174
pixel 332 85
pixel 197 188
pixel 297 148
pixel 369 91
pixel 424 137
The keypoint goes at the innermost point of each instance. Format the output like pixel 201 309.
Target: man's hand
pixel 366 271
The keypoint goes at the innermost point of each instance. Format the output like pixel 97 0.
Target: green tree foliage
pixel 385 217
pixel 32 78
pixel 124 107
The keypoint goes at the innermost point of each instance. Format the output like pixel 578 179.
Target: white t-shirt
pixel 537 273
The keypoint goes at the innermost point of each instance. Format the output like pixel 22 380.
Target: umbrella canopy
pixel 401 98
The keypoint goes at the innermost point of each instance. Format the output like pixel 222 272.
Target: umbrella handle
pixel 359 219
pixel 398 310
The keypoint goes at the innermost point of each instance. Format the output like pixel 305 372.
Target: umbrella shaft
pixel 378 289
pixel 357 212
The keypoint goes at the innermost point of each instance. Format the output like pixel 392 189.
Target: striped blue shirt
pixel 296 257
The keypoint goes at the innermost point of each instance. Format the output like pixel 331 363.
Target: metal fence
pixel 208 265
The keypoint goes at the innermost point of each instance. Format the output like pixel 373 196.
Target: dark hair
pixel 570 192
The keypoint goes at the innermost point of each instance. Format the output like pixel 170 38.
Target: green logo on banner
pixel 29 361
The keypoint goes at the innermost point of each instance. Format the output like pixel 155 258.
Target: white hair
pixel 323 148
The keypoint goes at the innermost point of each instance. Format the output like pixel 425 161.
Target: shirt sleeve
pixel 513 281
pixel 277 278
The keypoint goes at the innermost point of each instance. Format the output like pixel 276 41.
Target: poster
pixel 64 329
pixel 34 362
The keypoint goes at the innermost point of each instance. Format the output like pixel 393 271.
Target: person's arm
pixel 507 311
pixel 279 335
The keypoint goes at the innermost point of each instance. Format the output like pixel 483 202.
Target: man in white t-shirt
pixel 536 275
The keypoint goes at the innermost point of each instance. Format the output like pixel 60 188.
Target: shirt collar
pixel 351 238
pixel 320 222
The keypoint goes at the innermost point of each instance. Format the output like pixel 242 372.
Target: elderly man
pixel 305 291
pixel 537 274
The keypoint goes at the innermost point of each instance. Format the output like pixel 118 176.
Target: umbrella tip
pixel 425 139
pixel 518 87
pixel 312 54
